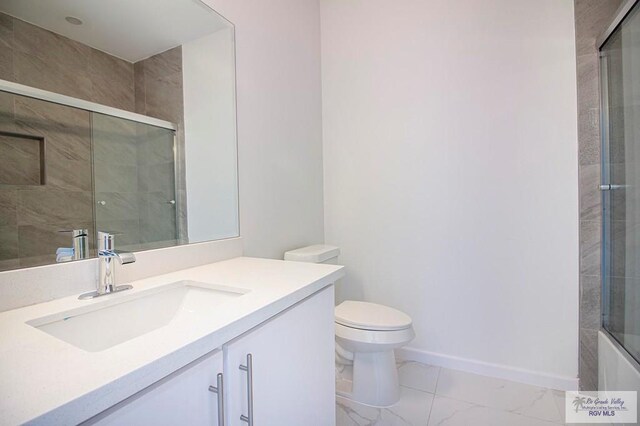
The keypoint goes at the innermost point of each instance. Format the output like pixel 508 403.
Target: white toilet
pixel 366 335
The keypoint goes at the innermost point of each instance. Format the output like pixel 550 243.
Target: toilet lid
pixel 371 316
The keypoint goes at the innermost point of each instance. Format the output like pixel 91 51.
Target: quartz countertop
pixel 44 380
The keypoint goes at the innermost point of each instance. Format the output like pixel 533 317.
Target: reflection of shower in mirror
pixel 131 132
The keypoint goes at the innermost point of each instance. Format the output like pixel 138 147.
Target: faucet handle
pixel 106 245
pixel 106 240
pixel 79 242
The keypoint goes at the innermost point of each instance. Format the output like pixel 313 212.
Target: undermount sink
pixel 103 325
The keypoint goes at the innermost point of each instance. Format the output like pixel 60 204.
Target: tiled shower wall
pixel 159 93
pixel 32 215
pixel 591 18
pixel 137 187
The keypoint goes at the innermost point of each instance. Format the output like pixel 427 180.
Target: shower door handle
pixel 612 187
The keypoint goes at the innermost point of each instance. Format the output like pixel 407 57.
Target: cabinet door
pixel 293 367
pixel 182 398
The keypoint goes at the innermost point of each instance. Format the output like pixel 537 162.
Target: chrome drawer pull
pixel 249 369
pixel 220 391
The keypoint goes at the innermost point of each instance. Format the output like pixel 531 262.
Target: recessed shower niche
pixel 21 159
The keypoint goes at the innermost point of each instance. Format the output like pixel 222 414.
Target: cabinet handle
pixel 249 369
pixel 220 391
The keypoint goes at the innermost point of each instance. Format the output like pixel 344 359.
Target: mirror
pixel 115 116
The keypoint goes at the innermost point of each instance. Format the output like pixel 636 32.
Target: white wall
pixel 279 122
pixel 450 173
pixel 209 126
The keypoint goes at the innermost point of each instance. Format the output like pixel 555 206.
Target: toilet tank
pixel 319 253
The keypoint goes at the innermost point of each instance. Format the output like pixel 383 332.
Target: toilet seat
pixel 371 340
pixel 370 316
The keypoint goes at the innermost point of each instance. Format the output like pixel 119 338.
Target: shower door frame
pixel 625 8
pixel 95 108
pixel 56 98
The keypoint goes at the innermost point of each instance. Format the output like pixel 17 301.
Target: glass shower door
pixel 620 84
pixel 134 182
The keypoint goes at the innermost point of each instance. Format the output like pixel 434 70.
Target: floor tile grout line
pixel 435 394
pixel 417 390
pixel 548 392
pixel 438 369
pixel 495 409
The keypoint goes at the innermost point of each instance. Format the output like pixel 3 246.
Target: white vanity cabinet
pixel 291 372
pixel 182 398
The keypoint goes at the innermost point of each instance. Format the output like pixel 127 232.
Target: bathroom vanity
pixel 219 344
pixel 146 162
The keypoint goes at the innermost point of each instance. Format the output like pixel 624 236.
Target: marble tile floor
pixel 439 396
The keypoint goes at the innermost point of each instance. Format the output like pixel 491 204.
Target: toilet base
pixel 375 379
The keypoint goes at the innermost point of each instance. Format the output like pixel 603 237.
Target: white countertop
pixel 44 380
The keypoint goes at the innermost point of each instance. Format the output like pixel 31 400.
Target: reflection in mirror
pixel 135 190
pixel 114 117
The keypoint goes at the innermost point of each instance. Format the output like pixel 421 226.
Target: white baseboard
pixel 488 369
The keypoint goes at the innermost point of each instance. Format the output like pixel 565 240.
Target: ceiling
pixel 129 29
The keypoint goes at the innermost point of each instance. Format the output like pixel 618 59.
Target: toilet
pixel 366 336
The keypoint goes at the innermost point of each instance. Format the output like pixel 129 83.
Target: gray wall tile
pixel 617 306
pixel 50 206
pixel 590 195
pixel 127 232
pixel 66 130
pixel 590 248
pixel 588 75
pixel 8 264
pixel 6 47
pixel 591 18
pixel 159 83
pixel 7 116
pixel 20 160
pixel 8 206
pixel 34 71
pixel 588 366
pixel 67 136
pixel 117 206
pixel 44 238
pixel 112 81
pixel 139 84
pixel 116 178
pixel 590 302
pixel 8 242
pixel 589 136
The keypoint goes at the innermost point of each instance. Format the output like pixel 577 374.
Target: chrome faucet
pixel 106 255
pixel 79 246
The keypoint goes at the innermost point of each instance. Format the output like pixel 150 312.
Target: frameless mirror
pixel 115 116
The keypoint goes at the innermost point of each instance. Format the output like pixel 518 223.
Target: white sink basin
pixel 107 323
